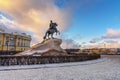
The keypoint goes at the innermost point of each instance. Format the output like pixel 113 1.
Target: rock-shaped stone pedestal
pixel 50 47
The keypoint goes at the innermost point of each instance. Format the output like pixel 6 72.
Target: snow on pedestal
pixel 49 47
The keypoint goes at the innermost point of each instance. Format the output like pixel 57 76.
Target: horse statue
pixel 51 31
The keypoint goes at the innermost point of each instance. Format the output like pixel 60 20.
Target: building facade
pixel 14 41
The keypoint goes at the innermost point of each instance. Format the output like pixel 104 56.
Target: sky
pixel 82 23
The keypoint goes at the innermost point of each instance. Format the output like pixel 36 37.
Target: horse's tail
pixel 45 35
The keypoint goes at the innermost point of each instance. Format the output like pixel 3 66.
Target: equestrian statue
pixel 52 29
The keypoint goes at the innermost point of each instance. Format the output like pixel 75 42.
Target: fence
pixel 29 60
pixel 8 52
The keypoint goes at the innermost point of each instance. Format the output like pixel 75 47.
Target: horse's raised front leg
pixel 57 32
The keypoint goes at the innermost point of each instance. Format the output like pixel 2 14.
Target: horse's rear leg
pixel 48 36
pixel 52 36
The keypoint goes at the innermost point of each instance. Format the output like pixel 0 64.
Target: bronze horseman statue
pixel 52 29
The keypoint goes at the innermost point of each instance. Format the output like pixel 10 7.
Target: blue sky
pixel 94 18
pixel 88 21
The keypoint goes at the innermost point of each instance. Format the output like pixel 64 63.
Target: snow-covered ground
pixel 106 68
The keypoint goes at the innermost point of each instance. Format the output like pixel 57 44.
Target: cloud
pixel 111 39
pixel 5 23
pixel 33 16
pixel 70 43
pixel 112 34
pixel 112 43
pixel 95 40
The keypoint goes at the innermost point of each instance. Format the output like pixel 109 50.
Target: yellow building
pixel 94 51
pixel 14 41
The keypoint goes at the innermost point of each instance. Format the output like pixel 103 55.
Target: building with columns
pixel 14 41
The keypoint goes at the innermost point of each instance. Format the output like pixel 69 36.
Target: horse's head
pixel 55 24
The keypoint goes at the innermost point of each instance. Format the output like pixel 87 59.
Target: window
pixel 0 43
pixel 24 45
pixel 18 44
